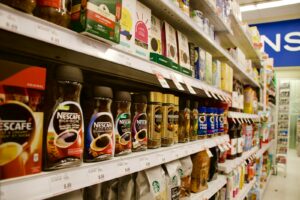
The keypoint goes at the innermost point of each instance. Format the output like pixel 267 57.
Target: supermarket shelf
pixel 213 187
pixel 264 148
pixel 262 191
pixel 209 11
pixel 230 165
pixel 48 184
pixel 34 37
pixel 271 92
pixel 247 187
pixel 273 106
pixel 242 40
pixel 172 14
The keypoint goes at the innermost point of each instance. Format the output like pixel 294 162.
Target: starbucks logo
pixel 180 171
pixel 174 180
pixel 156 186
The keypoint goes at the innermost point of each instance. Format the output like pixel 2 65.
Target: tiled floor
pixel 286 188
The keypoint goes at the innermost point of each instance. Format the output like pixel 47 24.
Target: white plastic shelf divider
pixel 33 27
pixel 264 148
pixel 48 184
pixel 263 190
pixel 230 165
pixel 167 10
pixel 213 187
pixel 247 187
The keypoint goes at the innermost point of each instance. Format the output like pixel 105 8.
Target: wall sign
pixel 282 41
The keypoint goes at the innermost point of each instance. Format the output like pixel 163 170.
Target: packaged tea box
pixel 216 73
pixel 200 173
pixel 97 18
pixel 155 35
pixel 127 33
pixel 208 68
pixel 199 64
pixel 185 172
pixel 21 119
pixel 173 179
pixel 169 42
pixel 151 184
pixel 64 124
pixel 183 50
pixel 142 30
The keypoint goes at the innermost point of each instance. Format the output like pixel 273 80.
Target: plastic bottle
pixel 184 120
pixel 194 122
pixel 210 121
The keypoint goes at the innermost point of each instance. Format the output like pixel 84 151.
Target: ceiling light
pixel 273 4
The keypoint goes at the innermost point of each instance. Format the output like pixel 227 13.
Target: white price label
pixel 162 158
pixel 221 97
pixel 233 120
pixel 145 162
pixel 221 148
pixel 176 154
pixel 226 148
pixel 190 88
pixel 176 82
pixel 60 183
pixel 214 96
pixel 48 34
pixel 11 23
pixel 207 93
pixel 209 153
pixel 124 168
pixel 229 145
pixel 162 80
pixel 96 175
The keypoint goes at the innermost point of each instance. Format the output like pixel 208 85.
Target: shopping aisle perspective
pixel 286 188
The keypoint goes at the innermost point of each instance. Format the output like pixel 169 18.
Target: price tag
pixel 145 162
pixel 162 158
pixel 233 120
pixel 239 121
pixel 229 145
pixel 209 153
pixel 124 168
pixel 96 175
pixel 221 97
pixel 226 148
pixel 48 34
pixel 221 148
pixel 214 96
pixel 176 154
pixel 162 80
pixel 11 23
pixel 176 82
pixel 59 183
pixel 190 88
pixel 207 93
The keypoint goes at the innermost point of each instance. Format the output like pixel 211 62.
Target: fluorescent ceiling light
pixel 273 4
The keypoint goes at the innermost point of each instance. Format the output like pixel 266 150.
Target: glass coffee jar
pixel 23 5
pixel 56 11
pixel 168 119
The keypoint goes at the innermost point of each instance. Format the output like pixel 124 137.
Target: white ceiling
pixel 271 14
pixel 245 2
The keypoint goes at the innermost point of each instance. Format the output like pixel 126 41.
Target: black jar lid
pixel 122 96
pixel 69 73
pixel 103 91
pixel 139 98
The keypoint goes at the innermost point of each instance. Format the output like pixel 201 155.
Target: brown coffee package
pixel 173 180
pixel 151 184
pixel 93 192
pixel 185 172
pixel 21 119
pixel 110 190
pixel 200 171
pixel 126 189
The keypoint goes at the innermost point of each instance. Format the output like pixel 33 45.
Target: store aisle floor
pixel 287 188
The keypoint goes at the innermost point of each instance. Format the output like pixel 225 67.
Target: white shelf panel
pixel 263 190
pixel 230 165
pixel 247 187
pixel 33 27
pixel 264 148
pixel 239 115
pixel 213 187
pixel 48 184
pixel 167 10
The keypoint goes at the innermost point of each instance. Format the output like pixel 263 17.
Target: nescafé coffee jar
pixel 168 119
pixel 64 128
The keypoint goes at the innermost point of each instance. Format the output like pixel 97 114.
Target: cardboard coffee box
pixel 216 73
pixel 155 35
pixel 127 34
pixel 142 30
pixel 99 19
pixel 21 119
pixel 183 50
pixel 169 42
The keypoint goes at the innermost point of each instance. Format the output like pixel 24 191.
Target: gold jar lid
pixel 168 98
pixel 176 100
pixel 155 97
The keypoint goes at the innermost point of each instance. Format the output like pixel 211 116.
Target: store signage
pixel 281 40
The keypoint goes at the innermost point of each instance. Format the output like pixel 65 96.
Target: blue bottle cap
pixel 202 109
